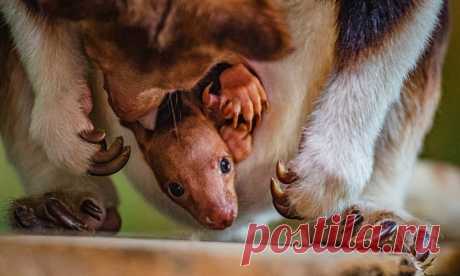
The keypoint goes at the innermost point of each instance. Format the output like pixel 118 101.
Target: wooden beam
pixel 81 256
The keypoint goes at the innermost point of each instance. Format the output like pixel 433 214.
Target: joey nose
pixel 220 219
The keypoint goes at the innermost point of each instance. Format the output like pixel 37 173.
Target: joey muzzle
pixel 219 217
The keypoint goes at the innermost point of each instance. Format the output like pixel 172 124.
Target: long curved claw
pixel 112 167
pixel 91 208
pixel 107 161
pixel 281 201
pixel 284 174
pixel 59 212
pixel 105 156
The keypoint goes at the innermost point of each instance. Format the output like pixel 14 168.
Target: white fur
pixel 55 66
pixel 291 84
pixel 336 158
pixel 37 173
pixel 340 136
pixel 344 127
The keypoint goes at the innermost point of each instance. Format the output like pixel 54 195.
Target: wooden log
pixel 52 256
pixel 81 256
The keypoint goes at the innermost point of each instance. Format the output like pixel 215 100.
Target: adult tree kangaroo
pixel 351 99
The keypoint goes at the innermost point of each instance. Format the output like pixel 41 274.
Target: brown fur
pixel 15 101
pixel 186 148
pixel 5 50
pixel 366 27
pixel 185 140
pixel 146 52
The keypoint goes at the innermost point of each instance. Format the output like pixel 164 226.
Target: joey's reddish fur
pixel 186 152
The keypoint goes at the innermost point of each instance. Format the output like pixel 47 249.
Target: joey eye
pixel 176 189
pixel 225 165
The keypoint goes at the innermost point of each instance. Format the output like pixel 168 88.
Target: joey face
pixel 192 164
pixel 205 190
pixel 146 48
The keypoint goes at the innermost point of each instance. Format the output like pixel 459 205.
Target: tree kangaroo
pixel 41 33
pixel 351 99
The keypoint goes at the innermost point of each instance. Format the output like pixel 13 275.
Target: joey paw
pixel 241 94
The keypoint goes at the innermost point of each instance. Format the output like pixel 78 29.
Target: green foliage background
pixel 443 143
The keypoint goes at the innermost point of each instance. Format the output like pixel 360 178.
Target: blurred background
pixel 443 143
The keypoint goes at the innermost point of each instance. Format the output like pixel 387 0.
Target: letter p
pixel 250 247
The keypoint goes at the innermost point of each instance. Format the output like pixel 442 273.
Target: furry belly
pixel 277 137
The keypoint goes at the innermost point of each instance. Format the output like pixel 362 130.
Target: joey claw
pixel 258 119
pixel 281 201
pixel 284 174
pixel 232 111
pixel 266 106
pixel 248 115
pixel 250 126
pixel 111 167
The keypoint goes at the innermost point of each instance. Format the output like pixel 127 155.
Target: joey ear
pixel 75 9
pixel 255 29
